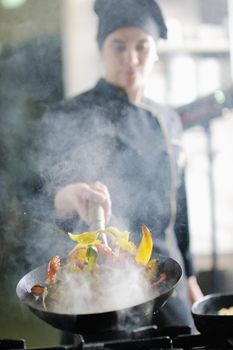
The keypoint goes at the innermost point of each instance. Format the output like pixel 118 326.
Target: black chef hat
pixel 144 14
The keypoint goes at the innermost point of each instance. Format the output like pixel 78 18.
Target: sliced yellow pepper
pixel 124 244
pixel 44 296
pixel 116 232
pixel 85 237
pixel 145 247
pixel 151 268
pixel 78 253
pixel 121 238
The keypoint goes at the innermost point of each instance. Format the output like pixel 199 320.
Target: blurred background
pixel 48 52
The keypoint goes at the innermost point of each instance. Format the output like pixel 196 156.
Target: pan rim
pixel 24 295
pixel 196 311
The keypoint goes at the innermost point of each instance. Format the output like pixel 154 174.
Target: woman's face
pixel 128 55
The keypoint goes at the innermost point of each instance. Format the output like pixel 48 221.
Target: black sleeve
pixel 182 229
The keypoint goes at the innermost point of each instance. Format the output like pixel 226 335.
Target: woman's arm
pixel 195 292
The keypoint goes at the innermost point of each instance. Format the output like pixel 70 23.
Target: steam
pixel 110 289
pixel 85 146
pixel 25 90
pixel 70 145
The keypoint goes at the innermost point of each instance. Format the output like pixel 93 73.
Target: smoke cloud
pixel 114 288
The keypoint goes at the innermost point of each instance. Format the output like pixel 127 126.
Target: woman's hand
pixel 75 198
pixel 194 289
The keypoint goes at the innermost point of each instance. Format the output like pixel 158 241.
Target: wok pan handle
pixel 96 214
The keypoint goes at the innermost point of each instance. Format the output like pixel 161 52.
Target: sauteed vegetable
pixel 92 259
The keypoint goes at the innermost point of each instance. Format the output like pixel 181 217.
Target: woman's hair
pixel 145 14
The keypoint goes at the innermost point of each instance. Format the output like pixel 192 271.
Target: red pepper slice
pixel 103 248
pixel 37 290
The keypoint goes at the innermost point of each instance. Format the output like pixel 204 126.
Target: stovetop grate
pixel 144 338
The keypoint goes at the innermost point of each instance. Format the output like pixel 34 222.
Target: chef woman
pixel 112 146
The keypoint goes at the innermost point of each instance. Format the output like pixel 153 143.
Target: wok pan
pixel 134 315
pixel 206 318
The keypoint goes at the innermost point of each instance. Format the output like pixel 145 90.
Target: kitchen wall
pixel 30 79
pixel 31 19
pixel 199 61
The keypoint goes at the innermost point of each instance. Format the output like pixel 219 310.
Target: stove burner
pixel 6 344
pixel 144 338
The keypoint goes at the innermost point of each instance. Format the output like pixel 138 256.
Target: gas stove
pixel 148 338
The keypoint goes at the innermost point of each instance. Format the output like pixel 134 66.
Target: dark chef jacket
pixel 100 135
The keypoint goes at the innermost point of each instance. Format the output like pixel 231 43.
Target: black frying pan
pixel 206 318
pixel 135 315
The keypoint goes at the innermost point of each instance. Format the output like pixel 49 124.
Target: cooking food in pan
pixel 226 311
pixel 132 314
pixel 100 277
